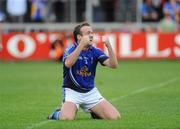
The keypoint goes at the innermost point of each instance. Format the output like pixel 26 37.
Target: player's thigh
pixel 68 111
pixel 106 110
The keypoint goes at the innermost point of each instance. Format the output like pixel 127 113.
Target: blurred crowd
pixel 164 12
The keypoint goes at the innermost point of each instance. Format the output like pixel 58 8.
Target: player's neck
pixel 85 48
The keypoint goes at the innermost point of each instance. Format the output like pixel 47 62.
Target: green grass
pixel 30 91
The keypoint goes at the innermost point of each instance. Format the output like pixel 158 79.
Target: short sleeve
pixel 101 56
pixel 67 52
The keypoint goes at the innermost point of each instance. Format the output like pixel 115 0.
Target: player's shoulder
pixel 96 48
pixel 70 48
pixel 68 51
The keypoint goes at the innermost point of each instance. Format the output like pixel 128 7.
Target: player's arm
pixel 72 58
pixel 112 60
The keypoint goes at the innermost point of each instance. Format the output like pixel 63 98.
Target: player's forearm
pixel 112 58
pixel 72 58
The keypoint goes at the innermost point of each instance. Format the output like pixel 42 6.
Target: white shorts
pixel 84 100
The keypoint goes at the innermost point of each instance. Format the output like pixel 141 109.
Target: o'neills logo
pixel 21 46
pixel 84 72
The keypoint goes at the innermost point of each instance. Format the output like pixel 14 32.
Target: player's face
pixel 87 30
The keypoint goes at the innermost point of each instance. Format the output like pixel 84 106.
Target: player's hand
pixel 85 40
pixel 106 41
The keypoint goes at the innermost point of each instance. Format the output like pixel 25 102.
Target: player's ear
pixel 78 36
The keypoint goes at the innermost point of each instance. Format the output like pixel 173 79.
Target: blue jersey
pixel 80 77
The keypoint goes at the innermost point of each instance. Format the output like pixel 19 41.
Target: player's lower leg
pixel 55 115
pixel 94 116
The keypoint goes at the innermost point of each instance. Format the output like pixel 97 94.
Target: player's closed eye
pixel 87 33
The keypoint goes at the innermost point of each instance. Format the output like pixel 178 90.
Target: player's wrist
pixel 107 44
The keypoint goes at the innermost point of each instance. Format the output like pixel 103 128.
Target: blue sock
pixel 55 115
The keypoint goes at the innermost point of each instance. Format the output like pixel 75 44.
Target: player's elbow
pixel 68 64
pixel 114 66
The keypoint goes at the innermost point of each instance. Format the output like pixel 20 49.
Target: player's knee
pixel 118 116
pixel 114 116
pixel 67 118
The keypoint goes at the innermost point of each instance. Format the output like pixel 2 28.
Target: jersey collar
pixel 76 44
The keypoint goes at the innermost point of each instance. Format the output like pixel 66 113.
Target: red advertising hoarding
pixel 36 46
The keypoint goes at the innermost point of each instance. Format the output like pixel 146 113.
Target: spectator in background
pixel 108 6
pixel 38 10
pixel 59 10
pixel 125 10
pixel 80 10
pixel 173 8
pixel 16 10
pixel 2 16
pixel 167 24
pixel 57 48
pixel 148 11
pixel 98 14
pixel 103 10
pixel 158 4
pixel 1 46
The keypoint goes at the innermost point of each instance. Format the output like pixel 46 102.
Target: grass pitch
pixel 147 93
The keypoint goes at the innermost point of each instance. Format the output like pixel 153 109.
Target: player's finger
pixel 105 39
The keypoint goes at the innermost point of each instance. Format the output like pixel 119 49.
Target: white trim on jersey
pixel 72 78
pixel 102 56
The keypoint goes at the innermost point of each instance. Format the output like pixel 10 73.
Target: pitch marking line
pixel 38 124
pixel 162 84
pixel 159 85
